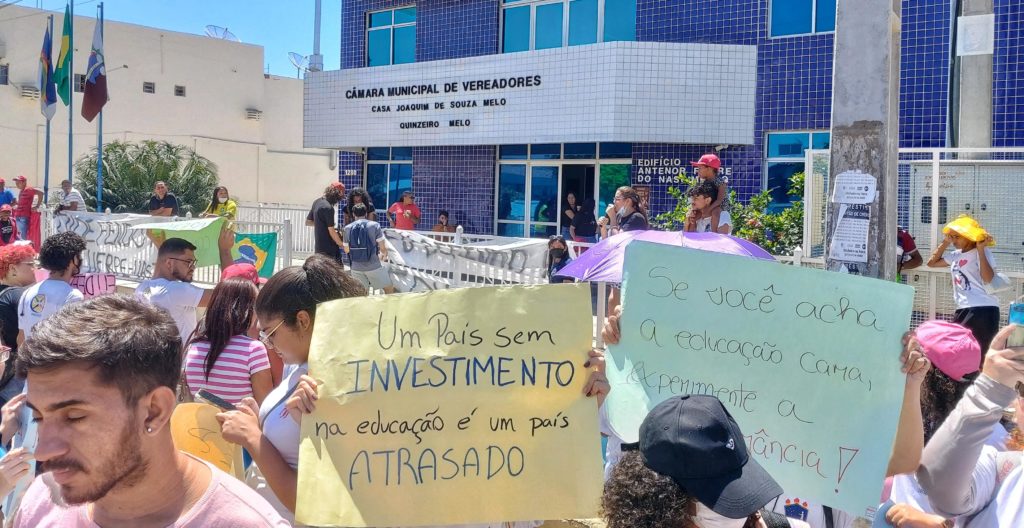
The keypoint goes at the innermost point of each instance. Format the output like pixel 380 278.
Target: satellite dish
pixel 301 63
pixel 218 32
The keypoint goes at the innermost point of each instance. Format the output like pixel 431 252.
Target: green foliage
pixel 130 170
pixel 778 232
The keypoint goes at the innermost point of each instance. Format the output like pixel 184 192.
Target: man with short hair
pixel 101 380
pixel 364 240
pixel 322 218
pixel 71 200
pixel 171 287
pixel 61 255
pixel 6 196
pixel 163 202
pixel 29 200
pixel 405 214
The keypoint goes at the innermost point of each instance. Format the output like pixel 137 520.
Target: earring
pixel 149 429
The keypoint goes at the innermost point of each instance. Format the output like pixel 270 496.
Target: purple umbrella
pixel 603 262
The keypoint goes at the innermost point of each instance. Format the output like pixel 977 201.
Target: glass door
pixel 544 191
pixel 527 200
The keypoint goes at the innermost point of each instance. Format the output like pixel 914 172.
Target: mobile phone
pixel 215 400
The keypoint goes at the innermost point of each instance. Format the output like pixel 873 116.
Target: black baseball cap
pixel 697 443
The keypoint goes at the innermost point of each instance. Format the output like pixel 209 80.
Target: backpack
pixel 362 247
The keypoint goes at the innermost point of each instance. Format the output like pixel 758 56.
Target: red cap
pixel 338 185
pixel 242 271
pixel 20 178
pixel 5 208
pixel 710 160
pixel 2 181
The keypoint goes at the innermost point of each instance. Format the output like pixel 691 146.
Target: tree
pixel 130 170
pixel 777 232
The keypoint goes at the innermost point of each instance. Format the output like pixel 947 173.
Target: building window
pixel 179 91
pixel 542 24
pixel 785 156
pixel 148 87
pixel 79 83
pixel 391 37
pixel 5 71
pixel 802 17
pixel 388 174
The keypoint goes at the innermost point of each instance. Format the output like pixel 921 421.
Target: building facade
pixel 209 94
pixel 748 79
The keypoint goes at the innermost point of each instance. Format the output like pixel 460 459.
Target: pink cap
pixel 950 347
pixel 710 160
pixel 20 178
pixel 242 271
pixel 6 208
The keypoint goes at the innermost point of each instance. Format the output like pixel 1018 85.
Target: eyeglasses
pixel 191 263
pixel 267 337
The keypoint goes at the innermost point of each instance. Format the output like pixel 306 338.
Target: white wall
pixel 258 160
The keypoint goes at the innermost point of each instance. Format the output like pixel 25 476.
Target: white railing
pixel 301 236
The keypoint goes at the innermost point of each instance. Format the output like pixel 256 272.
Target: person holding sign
pixel 964 480
pixel 286 309
pixel 973 267
pixel 101 380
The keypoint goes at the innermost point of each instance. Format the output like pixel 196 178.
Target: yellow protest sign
pixel 196 431
pixel 451 407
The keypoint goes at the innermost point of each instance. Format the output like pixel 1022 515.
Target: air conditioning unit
pixel 29 91
pixel 253 114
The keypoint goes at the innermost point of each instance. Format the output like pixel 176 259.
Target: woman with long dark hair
pixel 359 195
pixel 221 205
pixel 625 213
pixel 220 357
pixel 286 309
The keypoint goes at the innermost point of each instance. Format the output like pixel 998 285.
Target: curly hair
pixel 60 250
pixel 939 396
pixel 635 496
pixel 12 254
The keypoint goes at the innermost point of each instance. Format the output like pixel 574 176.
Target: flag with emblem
pixel 47 88
pixel 95 78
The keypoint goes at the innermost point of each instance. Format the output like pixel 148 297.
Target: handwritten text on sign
pixel 807 362
pixel 451 407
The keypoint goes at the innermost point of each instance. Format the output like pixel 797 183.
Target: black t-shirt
pixel 633 222
pixel 322 215
pixel 566 221
pixel 169 201
pixel 584 224
pixel 7 231
pixel 9 297
pixel 349 217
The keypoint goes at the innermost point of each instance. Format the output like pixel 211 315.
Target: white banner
pixel 420 263
pixel 111 245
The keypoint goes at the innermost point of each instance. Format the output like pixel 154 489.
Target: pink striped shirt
pixel 230 376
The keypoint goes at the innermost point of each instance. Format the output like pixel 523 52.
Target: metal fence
pixel 983 183
pixel 301 236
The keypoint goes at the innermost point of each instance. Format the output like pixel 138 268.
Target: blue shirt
pixel 6 197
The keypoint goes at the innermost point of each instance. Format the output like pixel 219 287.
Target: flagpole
pixel 46 162
pixel 99 137
pixel 71 96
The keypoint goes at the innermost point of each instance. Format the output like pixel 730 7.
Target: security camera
pixel 719 148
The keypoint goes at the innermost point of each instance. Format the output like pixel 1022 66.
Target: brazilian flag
pixel 258 249
pixel 62 76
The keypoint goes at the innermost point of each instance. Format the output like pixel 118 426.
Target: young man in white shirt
pixel 171 287
pixel 61 255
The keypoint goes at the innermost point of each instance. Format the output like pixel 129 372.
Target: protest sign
pixel 111 245
pixel 807 361
pixel 202 233
pixel 94 284
pixel 420 263
pixel 195 430
pixel 452 407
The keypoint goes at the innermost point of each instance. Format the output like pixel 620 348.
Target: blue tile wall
pixel 1008 70
pixel 924 73
pixel 459 180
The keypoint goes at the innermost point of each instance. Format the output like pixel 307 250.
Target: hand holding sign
pixel 786 350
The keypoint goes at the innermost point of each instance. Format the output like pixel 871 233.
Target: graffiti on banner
pixel 111 245
pixel 448 395
pixel 420 263
pixel 94 284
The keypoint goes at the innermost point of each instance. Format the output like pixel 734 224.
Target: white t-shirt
pixel 795 507
pixel 43 299
pixel 179 298
pixel 704 224
pixel 968 288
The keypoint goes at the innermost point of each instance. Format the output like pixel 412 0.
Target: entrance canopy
pixel 639 92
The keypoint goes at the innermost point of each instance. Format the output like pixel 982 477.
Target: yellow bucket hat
pixel 970 229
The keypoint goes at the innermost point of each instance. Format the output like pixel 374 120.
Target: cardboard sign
pixel 451 407
pixel 196 431
pixel 806 361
